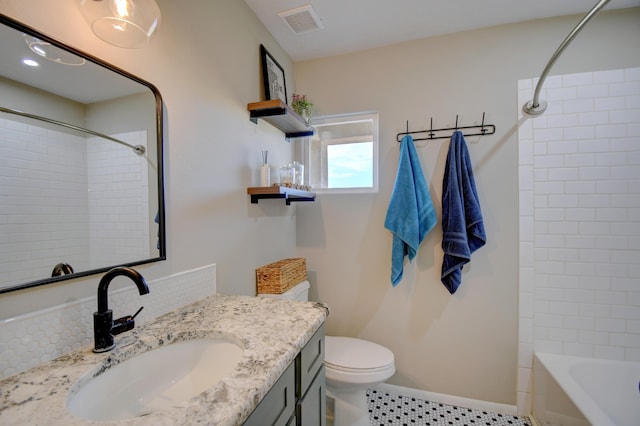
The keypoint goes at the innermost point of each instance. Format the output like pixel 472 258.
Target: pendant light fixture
pixel 122 23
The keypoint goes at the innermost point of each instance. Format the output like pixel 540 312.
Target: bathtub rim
pixel 558 366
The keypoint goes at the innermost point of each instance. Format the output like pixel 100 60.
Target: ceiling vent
pixel 302 19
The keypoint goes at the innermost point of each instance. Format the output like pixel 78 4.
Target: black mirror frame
pixel 5 20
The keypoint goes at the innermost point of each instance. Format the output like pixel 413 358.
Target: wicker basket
pixel 280 276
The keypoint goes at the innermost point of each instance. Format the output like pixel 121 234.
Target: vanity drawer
pixel 310 360
pixel 278 406
pixel 312 406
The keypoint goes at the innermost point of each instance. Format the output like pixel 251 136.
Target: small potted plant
pixel 302 106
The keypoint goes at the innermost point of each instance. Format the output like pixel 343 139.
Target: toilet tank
pixel 299 291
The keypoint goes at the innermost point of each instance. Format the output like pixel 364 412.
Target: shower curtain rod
pixel 138 149
pixel 536 106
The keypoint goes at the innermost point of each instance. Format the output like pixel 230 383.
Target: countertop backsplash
pixel 38 337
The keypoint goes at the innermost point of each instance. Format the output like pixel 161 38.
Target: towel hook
pixel 432 133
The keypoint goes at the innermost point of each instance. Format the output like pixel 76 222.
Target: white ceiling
pixel 85 84
pixel 354 25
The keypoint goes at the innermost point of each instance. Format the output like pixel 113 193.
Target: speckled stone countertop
pixel 271 331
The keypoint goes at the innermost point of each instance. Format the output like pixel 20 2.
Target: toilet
pixel 351 365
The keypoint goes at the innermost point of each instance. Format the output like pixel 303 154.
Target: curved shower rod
pixel 537 106
pixel 138 149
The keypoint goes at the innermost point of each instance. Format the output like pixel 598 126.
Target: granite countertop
pixel 271 331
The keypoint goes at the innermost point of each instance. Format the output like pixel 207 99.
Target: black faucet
pixel 104 327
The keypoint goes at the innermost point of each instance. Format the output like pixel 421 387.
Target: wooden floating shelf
pixel 289 194
pixel 281 116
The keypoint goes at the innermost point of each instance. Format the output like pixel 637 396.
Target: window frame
pixel 345 119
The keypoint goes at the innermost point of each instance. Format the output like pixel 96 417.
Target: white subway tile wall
pixel 120 221
pixel 580 220
pixel 61 203
pixel 41 336
pixel 45 167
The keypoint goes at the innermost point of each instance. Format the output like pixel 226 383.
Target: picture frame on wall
pixel 275 86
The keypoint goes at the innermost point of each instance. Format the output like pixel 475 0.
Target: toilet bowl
pixel 351 366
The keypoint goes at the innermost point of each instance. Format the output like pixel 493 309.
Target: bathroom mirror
pixel 81 179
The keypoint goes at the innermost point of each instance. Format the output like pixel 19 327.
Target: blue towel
pixel 462 225
pixel 410 215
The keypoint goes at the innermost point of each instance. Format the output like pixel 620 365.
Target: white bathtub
pixel 572 391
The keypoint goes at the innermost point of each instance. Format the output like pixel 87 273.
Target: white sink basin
pixel 154 380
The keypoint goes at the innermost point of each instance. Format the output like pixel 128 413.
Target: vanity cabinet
pixel 310 386
pixel 298 397
pixel 278 406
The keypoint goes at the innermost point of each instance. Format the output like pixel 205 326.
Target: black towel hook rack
pixel 481 130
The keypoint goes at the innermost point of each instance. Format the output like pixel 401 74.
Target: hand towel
pixel 410 215
pixel 462 224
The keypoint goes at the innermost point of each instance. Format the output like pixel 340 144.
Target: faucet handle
pixel 137 312
pixel 125 323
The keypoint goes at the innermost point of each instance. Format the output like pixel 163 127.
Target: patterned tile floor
pixel 387 409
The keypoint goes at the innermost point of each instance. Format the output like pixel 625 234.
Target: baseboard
pixel 533 421
pixel 506 409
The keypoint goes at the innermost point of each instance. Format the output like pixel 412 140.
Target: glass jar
pixel 298 173
pixel 286 175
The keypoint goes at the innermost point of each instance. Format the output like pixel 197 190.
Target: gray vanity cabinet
pixel 298 397
pixel 311 408
pixel 310 387
pixel 278 406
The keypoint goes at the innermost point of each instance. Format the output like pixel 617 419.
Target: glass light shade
pixel 123 23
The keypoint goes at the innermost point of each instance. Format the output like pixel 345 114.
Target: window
pixel 343 154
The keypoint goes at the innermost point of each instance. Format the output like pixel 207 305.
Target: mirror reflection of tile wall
pixel 61 202
pixel 119 215
pixel 44 200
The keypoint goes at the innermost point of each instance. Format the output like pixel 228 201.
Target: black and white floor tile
pixel 387 409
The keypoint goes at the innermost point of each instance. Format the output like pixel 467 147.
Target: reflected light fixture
pixel 30 62
pixel 51 52
pixel 123 23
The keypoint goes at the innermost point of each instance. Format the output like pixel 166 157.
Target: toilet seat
pixel 351 355
pixel 351 363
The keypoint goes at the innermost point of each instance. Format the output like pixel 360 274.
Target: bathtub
pixel 572 391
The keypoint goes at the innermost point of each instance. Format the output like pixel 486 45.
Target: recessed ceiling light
pixel 30 62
